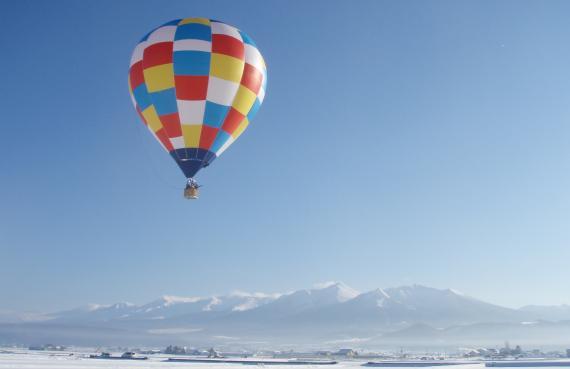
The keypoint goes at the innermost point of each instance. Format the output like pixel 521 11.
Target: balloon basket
pixel 191 192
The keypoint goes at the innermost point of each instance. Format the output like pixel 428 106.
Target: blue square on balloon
pixel 142 97
pixel 221 139
pixel 194 31
pixel 215 114
pixel 164 101
pixel 191 63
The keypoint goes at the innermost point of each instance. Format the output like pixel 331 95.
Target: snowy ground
pixel 47 360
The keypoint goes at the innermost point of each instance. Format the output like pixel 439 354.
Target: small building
pixel 212 353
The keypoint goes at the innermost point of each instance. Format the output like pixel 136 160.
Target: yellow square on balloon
pixel 151 118
pixel 226 67
pixel 160 77
pixel 244 100
pixel 191 133
pixel 203 21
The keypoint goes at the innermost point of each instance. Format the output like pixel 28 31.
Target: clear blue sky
pixel 399 142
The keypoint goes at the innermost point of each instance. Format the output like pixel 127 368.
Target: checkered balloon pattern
pixel 197 83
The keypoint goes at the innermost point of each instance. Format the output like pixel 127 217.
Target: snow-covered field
pixel 46 360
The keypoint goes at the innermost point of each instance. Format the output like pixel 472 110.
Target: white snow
pixel 171 300
pixel 321 285
pixel 23 359
pixel 213 302
pixel 343 292
pixel 459 293
pixel 247 305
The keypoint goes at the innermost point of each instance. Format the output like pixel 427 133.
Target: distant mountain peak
pixel 376 298
pixel 380 293
pixel 327 284
pixel 98 307
pixel 168 300
pixel 342 291
pixel 454 291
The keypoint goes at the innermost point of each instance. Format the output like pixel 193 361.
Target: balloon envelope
pixel 196 83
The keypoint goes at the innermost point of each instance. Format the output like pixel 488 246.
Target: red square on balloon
pixel 171 123
pixel 228 45
pixel 163 138
pixel 158 54
pixel 251 78
pixel 233 119
pixel 207 136
pixel 191 87
pixel 136 75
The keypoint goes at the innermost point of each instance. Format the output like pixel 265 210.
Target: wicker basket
pixel 191 192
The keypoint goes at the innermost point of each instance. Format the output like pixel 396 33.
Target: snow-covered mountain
pixel 329 312
pixel 94 312
pixel 310 299
pixel 164 308
pixel 383 310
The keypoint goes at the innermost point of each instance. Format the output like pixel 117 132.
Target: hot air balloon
pixel 196 83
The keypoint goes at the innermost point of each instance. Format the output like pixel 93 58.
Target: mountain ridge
pixel 330 312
